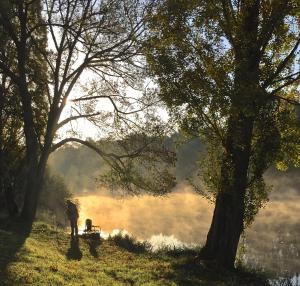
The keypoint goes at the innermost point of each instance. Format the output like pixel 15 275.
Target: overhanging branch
pixel 72 118
pixel 82 142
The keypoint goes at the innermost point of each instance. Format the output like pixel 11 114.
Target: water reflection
pixel 183 219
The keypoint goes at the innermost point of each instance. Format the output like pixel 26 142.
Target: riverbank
pixel 48 257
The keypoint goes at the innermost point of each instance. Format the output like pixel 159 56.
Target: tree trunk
pixel 36 155
pixel 10 202
pixel 30 198
pixel 34 184
pixel 35 166
pixel 227 223
pixel 32 179
pixel 228 218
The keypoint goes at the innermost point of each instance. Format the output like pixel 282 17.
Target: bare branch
pixel 114 103
pixel 72 118
pixel 100 152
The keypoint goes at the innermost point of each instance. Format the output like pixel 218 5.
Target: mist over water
pixel 176 215
pixel 183 218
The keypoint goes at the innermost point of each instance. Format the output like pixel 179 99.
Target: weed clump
pixel 130 243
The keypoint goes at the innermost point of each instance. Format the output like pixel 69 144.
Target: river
pixel 183 217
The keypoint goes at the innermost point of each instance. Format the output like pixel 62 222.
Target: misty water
pixel 182 218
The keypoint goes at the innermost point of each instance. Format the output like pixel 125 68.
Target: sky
pixel 85 128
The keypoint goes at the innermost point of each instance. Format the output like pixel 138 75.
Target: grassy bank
pixel 49 257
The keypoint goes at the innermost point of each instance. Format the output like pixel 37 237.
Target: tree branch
pixel 72 118
pixel 270 24
pixel 287 83
pixel 282 64
pixel 117 110
pixel 290 101
pixel 82 142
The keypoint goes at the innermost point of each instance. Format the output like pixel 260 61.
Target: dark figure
pixel 72 213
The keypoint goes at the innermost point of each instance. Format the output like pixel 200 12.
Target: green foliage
pixel 35 63
pixel 195 50
pixel 12 143
pixel 147 165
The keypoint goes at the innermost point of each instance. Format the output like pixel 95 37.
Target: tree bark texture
pixel 228 218
pixel 227 223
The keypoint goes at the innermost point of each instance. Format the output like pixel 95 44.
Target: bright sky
pixel 86 129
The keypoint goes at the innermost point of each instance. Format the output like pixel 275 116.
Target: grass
pixel 48 257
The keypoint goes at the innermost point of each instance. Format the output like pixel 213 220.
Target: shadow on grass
pixel 189 270
pixel 74 252
pixel 93 244
pixel 93 241
pixel 13 234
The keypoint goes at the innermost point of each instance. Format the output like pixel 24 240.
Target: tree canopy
pixel 86 55
pixel 229 72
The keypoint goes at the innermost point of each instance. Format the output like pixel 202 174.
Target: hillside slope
pixel 47 257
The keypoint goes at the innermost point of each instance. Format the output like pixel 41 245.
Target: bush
pixel 130 243
pixel 51 206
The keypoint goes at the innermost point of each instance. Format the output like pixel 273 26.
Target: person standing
pixel 72 213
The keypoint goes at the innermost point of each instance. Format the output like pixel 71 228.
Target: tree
pixel 228 71
pixel 88 41
pixel 12 147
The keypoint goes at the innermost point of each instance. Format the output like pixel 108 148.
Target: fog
pixel 272 242
pixel 177 214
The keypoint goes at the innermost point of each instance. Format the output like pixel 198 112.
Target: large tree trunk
pixel 34 184
pixel 227 223
pixel 36 155
pixel 32 177
pixel 228 218
pixel 11 205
